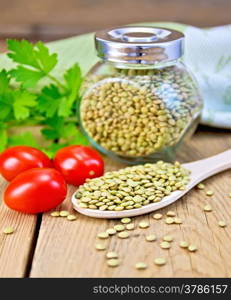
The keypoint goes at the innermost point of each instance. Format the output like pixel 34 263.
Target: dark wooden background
pixel 55 19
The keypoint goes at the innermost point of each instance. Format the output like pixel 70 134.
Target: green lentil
pixel 119 227
pixel 130 226
pixel 64 213
pixel 177 220
pixel 192 248
pixel 168 238
pixel 207 208
pixel 112 255
pixel 169 220
pixel 157 216
pixel 141 266
pixel 71 217
pixel 151 238
pixel 184 244
pixel 209 193
pixel 100 247
pixel 111 231
pixel 55 214
pixel 126 220
pixel 222 224
pixel 8 230
pixel 103 235
pixel 201 186
pixel 111 191
pixel 113 262
pixel 165 245
pixel 159 261
pixel 144 225
pixel 171 214
pixel 123 234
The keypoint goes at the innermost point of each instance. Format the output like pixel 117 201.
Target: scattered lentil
pixel 144 224
pixel 71 217
pixel 201 186
pixel 111 231
pixel 171 214
pixel 165 245
pixel 64 213
pixel 141 266
pixel 126 220
pixel 119 227
pixel 184 244
pixel 222 224
pixel 151 238
pixel 113 191
pixel 192 248
pixel 123 234
pixel 209 193
pixel 103 235
pixel 55 214
pixel 208 208
pixel 157 216
pixel 8 230
pixel 169 220
pixel 112 255
pixel 114 262
pixel 168 238
pixel 130 226
pixel 159 261
pixel 177 220
pixel 100 247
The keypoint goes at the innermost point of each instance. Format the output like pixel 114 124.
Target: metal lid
pixel 139 44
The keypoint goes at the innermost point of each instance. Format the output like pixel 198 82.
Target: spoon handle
pixel 207 167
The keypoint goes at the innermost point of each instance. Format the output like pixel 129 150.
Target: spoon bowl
pixel 200 170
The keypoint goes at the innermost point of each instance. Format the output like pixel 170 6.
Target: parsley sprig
pixel 26 100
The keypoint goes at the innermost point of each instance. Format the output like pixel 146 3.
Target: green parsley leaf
pixel 4 82
pixel 29 78
pixel 23 101
pixel 73 78
pixel 3 139
pixel 53 106
pixel 49 100
pixel 25 139
pixel 73 81
pixel 54 128
pixel 46 60
pixel 36 56
pixel 79 139
pixel 22 52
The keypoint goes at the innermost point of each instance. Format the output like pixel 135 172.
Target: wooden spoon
pixel 200 170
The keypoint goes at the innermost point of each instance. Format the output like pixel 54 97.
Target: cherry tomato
pixel 77 163
pixel 36 190
pixel 15 160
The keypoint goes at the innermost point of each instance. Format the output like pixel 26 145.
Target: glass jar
pixel 140 102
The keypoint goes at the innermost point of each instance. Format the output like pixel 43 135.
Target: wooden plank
pixel 72 17
pixel 66 249
pixel 15 249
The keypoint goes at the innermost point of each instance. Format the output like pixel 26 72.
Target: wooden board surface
pixel 15 249
pixel 66 249
pixel 52 19
pixel 59 248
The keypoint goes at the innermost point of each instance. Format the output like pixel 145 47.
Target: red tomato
pixel 15 160
pixel 77 163
pixel 36 190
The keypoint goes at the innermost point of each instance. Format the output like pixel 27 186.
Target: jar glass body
pixel 139 114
